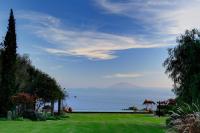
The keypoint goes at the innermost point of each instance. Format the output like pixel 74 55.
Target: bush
pixel 34 116
pixel 133 108
pixel 164 110
pixel 19 119
pixel 58 117
pixel 165 107
pixel 29 114
pixel 185 118
pixel 40 116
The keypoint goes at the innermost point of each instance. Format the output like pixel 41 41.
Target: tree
pixel 63 95
pixel 183 67
pixel 36 82
pixel 23 63
pixel 9 55
pixel 18 75
pixel 44 87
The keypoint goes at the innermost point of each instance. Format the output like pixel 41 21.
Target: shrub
pixel 185 119
pixel 34 116
pixel 133 108
pixel 40 116
pixel 57 117
pixel 29 114
pixel 164 107
pixel 19 119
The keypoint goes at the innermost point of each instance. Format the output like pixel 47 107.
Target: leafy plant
pixel 185 118
pixel 185 109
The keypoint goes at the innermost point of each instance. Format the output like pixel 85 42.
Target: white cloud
pixel 165 16
pixel 145 9
pixel 90 44
pixel 187 17
pixel 39 18
pixel 124 75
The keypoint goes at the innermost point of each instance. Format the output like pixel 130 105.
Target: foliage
pixel 19 76
pixel 165 110
pixel 185 109
pixel 34 116
pixel 183 66
pixel 9 55
pixel 57 117
pixel 47 88
pixel 134 108
pixel 165 107
pixel 33 82
pixel 185 118
pixel 23 63
pixel 19 119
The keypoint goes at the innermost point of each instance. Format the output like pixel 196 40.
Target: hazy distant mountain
pixel 124 85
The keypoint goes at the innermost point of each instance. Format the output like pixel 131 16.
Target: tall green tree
pixel 183 66
pixel 8 86
pixel 17 74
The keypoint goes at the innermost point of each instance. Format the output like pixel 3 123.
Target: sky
pixel 98 43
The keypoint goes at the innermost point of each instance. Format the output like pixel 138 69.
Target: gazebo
pixel 148 103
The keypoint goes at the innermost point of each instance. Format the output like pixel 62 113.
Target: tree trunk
pixel 59 106
pixel 34 106
pixel 52 107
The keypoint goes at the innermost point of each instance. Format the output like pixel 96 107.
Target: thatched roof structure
pixel 20 98
pixel 148 102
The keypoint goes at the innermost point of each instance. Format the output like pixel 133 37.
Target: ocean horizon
pixel 113 100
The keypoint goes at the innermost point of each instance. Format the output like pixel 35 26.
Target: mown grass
pixel 89 123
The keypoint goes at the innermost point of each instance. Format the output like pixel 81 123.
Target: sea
pixel 113 100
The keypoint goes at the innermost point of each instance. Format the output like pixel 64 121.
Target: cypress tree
pixel 9 55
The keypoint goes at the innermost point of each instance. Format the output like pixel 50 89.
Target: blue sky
pixel 98 43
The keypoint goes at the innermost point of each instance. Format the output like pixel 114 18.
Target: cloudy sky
pixel 98 43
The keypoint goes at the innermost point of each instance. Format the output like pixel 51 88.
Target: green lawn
pixel 89 123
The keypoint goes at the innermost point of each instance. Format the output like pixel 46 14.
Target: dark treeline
pixel 18 75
